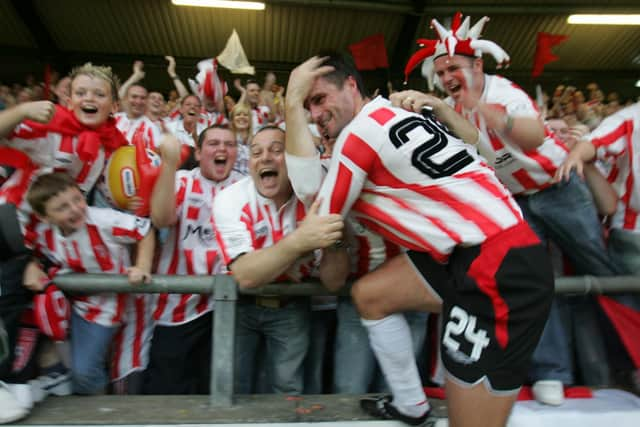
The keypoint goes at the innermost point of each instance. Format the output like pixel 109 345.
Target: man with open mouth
pixel 266 234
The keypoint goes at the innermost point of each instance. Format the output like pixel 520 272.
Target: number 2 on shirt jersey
pixel 421 157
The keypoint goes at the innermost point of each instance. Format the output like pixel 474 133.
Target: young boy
pixel 93 240
pixel 36 138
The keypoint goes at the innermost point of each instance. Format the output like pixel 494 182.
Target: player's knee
pixel 368 303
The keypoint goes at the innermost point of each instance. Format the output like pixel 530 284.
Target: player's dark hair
pixel 343 68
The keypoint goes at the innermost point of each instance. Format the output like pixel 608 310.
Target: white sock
pixel 390 339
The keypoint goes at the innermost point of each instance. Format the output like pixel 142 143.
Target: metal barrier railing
pixel 225 292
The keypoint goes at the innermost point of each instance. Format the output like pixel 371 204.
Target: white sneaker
pixel 549 392
pixel 10 407
pixel 56 383
pixel 37 392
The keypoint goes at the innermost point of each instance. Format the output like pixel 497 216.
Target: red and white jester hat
pixel 459 40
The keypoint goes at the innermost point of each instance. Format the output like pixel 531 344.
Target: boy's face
pixel 91 100
pixel 67 210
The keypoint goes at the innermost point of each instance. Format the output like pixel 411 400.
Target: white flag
pixel 234 58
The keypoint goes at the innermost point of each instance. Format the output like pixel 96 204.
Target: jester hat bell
pixel 459 40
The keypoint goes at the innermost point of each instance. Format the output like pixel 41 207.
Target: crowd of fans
pixel 314 345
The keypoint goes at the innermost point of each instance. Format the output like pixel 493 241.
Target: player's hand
pixel 38 111
pixel 317 231
pixel 169 150
pixel 302 77
pixel 412 100
pixel 137 276
pixel 138 69
pixel 171 66
pixel 34 278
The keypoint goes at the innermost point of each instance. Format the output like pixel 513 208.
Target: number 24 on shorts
pixel 460 323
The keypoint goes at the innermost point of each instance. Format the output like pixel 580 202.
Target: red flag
pixel 543 54
pixel 370 53
pixel 626 321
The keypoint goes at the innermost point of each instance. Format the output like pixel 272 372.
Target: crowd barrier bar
pixel 225 292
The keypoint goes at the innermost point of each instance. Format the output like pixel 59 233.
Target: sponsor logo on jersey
pixel 205 235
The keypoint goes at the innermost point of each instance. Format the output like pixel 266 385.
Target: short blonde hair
pixel 241 108
pixel 100 72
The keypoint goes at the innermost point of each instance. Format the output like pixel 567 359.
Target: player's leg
pixel 476 406
pixel 381 296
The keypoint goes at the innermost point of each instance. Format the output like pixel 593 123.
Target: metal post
pixel 223 341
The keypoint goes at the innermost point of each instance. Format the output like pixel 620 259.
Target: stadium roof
pixel 67 32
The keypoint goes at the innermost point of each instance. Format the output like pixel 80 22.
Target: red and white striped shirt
pixel 521 172
pixel 617 139
pixel 368 249
pixel 151 133
pixel 409 180
pixel 176 127
pixel 132 343
pixel 101 246
pixel 215 118
pixel 259 117
pixel 50 152
pixel 191 247
pixel 245 221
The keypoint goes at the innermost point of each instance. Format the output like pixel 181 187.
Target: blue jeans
pixel 322 325
pixel 285 332
pixel 355 368
pixel 90 344
pixel 565 214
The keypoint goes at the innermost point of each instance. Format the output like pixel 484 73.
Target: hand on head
pixel 302 77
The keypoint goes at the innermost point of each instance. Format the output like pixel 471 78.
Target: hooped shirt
pixel 191 247
pixel 522 172
pixel 245 221
pixel 617 140
pixel 407 178
pixel 101 246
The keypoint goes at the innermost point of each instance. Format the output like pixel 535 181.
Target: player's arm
pixel 38 111
pixel 163 199
pixel 263 266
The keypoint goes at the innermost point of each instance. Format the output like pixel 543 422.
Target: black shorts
pixel 495 302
